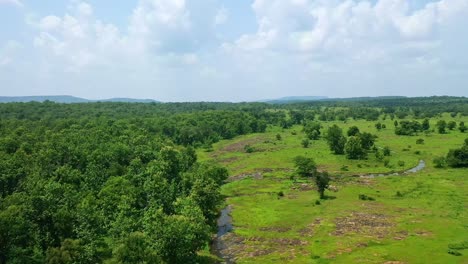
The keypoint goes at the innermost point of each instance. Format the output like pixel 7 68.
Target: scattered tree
pixel 353 148
pixel 322 180
pixel 312 130
pixel 336 140
pixel 441 125
pixel 462 127
pixel 305 167
pixel 353 131
pixel 451 125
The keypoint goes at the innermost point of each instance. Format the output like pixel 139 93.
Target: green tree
pixel 425 124
pixel 367 140
pixel 462 127
pixel 451 125
pixel 353 148
pixel 386 151
pixel 305 167
pixel 312 130
pixel 353 131
pixel 441 125
pixel 322 181
pixel 458 158
pixel 336 140
pixel 378 126
pixel 305 142
pixel 135 249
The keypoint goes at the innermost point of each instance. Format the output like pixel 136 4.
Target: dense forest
pixel 120 182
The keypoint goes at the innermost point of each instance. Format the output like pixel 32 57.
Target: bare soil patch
pixel 309 230
pixel 239 146
pixel 370 224
pixel 254 175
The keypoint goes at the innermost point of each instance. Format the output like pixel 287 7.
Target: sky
pixel 233 50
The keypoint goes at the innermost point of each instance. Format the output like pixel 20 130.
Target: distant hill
pixel 294 99
pixel 54 98
pixel 67 99
pixel 128 100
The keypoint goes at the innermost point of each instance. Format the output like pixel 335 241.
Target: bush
pixel 440 162
pixel 366 198
pixel 386 162
pixel 278 137
pixel 305 143
pixel 454 252
pixel 420 141
pixel 386 151
pixel 280 194
pixel 398 194
pixel 294 133
pixel 317 202
pixel 249 149
pixel 401 163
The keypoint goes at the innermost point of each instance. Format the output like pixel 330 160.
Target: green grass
pixel 415 226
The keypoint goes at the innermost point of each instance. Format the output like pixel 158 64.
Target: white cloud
pixel 344 26
pixel 221 17
pixel 50 23
pixel 295 45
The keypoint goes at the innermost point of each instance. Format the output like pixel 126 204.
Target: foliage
pixel 353 131
pixel 408 128
pixel 94 189
pixel 322 180
pixel 305 167
pixel 458 157
pixel 312 130
pixel 462 127
pixel 354 149
pixel 336 140
pixel 451 125
pixel 305 142
pixel 441 125
pixel 367 140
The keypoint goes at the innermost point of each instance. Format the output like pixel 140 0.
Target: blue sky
pixel 225 50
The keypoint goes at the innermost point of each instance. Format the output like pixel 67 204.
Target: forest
pixel 106 182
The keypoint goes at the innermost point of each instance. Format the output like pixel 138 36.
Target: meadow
pixel 278 218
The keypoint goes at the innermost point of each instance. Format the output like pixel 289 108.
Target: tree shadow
pixel 329 197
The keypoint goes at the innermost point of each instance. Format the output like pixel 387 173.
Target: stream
pixel 421 165
pixel 219 245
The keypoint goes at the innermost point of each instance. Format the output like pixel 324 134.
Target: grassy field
pixel 413 219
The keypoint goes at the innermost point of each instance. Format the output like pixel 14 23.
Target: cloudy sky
pixel 233 50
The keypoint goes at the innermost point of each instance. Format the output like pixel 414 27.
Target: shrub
pixel 280 194
pixel 278 137
pixel 454 252
pixel 386 162
pixel 249 149
pixel 386 151
pixel 440 162
pixel 366 198
pixel 420 141
pixel 305 142
pixel 317 202
pixel 401 163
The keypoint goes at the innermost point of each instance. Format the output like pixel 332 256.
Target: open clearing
pixel 413 219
